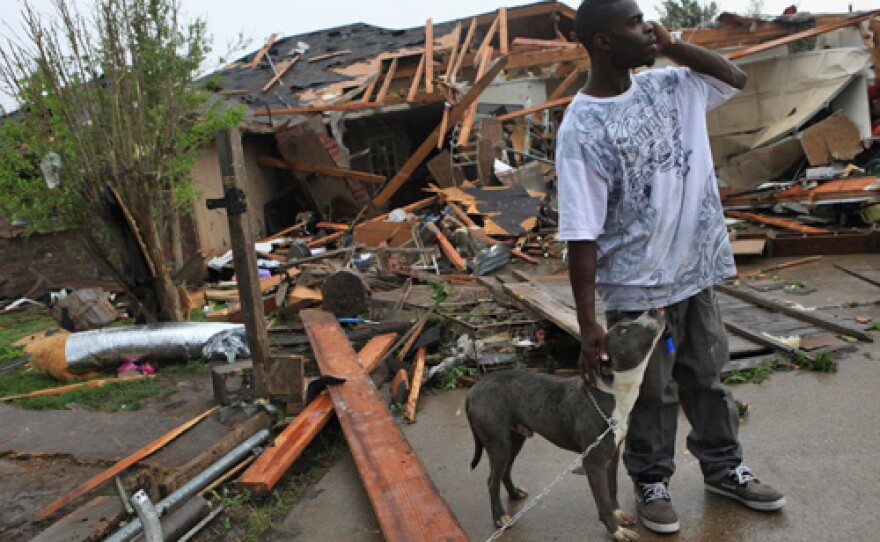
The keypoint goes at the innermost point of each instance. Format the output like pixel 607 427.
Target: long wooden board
pixel 539 300
pixel 271 465
pixel 405 500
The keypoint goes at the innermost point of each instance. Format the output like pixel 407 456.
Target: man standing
pixel 640 210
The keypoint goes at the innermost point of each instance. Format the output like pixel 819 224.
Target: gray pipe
pixel 148 515
pixel 195 485
pixel 166 342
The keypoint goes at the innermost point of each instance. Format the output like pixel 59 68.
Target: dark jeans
pixel 700 353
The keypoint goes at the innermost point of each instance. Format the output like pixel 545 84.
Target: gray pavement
pixel 814 436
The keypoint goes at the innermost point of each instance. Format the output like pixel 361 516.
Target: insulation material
pixel 761 165
pixel 835 137
pixel 783 94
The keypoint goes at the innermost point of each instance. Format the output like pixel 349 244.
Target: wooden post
pixel 232 169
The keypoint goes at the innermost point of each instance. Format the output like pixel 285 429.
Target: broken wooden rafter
pixel 329 171
pixel 797 36
pixel 108 474
pixel 773 221
pixel 465 45
pixel 324 240
pixel 559 102
pixel 414 86
pixel 546 44
pixel 455 115
pixel 258 57
pixel 503 39
pixel 275 460
pixel 404 499
pixel 453 54
pixel 487 39
pixel 448 249
pixel 429 56
pixel 416 386
pixel 280 71
pixel 467 122
pixel 332 54
pixel 350 106
pixel 386 83
pixel 412 207
pixel 565 85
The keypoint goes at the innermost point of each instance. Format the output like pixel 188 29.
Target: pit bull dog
pixel 506 407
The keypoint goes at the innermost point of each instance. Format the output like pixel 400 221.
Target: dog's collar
pixel 612 422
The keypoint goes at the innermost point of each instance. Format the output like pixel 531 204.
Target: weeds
pixel 756 375
pixel 822 363
pixel 449 379
pixel 18 324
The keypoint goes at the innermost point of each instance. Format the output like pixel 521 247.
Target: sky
pixel 257 19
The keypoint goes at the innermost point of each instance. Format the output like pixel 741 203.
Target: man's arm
pixel 699 59
pixel 582 273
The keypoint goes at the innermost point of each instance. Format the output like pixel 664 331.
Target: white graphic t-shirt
pixel 636 175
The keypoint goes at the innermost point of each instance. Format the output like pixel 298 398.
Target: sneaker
pixel 654 507
pixel 741 485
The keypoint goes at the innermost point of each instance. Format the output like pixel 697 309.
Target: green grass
pixel 17 324
pixel 760 373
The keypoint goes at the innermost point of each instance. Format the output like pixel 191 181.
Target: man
pixel 640 210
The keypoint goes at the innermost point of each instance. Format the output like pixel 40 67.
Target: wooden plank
pixel 416 386
pixel 784 265
pixel 504 44
pixel 91 521
pixel 333 54
pixel 564 86
pixel 406 502
pixel 791 38
pixel 386 84
pixel 487 39
pixel 58 390
pixel 329 171
pixel 455 115
pixel 806 316
pixel 349 106
pixel 262 52
pixel 448 249
pixel 275 460
pixel 106 475
pixel 464 48
pixel 773 221
pixel 453 54
pixel 860 274
pixel 544 304
pixel 559 102
pixel 468 121
pixel 760 338
pixel 414 86
pixel 280 71
pixel 546 44
pixel 429 57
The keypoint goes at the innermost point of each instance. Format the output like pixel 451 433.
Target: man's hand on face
pixel 664 38
pixel 593 352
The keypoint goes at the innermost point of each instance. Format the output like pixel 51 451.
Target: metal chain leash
pixel 612 425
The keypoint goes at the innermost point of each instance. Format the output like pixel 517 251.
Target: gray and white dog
pixel 504 408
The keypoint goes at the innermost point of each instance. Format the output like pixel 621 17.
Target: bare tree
pixel 113 95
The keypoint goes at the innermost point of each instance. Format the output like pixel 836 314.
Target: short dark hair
pixel 591 18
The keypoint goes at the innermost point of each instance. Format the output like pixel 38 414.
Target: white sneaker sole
pixel 763 506
pixel 662 528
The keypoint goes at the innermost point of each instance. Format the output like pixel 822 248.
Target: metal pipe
pixel 180 341
pixel 195 485
pixel 148 516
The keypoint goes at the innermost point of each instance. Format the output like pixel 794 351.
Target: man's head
pixel 616 31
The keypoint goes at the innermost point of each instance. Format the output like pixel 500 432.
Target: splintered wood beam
pixel 455 115
pixel 415 386
pixel 468 123
pixel 280 71
pixel 444 127
pixel 487 39
pixel 465 45
pixel 417 78
pixel 368 92
pixel 107 475
pixel 560 43
pixel 454 52
pixel 429 57
pixel 547 57
pixel 386 84
pixel 262 52
pixel 778 222
pixel 275 460
pixel 504 45
pixel 534 109
pixel 791 38
pixel 329 171
pixel 305 110
pixel 404 499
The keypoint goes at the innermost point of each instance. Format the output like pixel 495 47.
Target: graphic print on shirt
pixel 640 137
